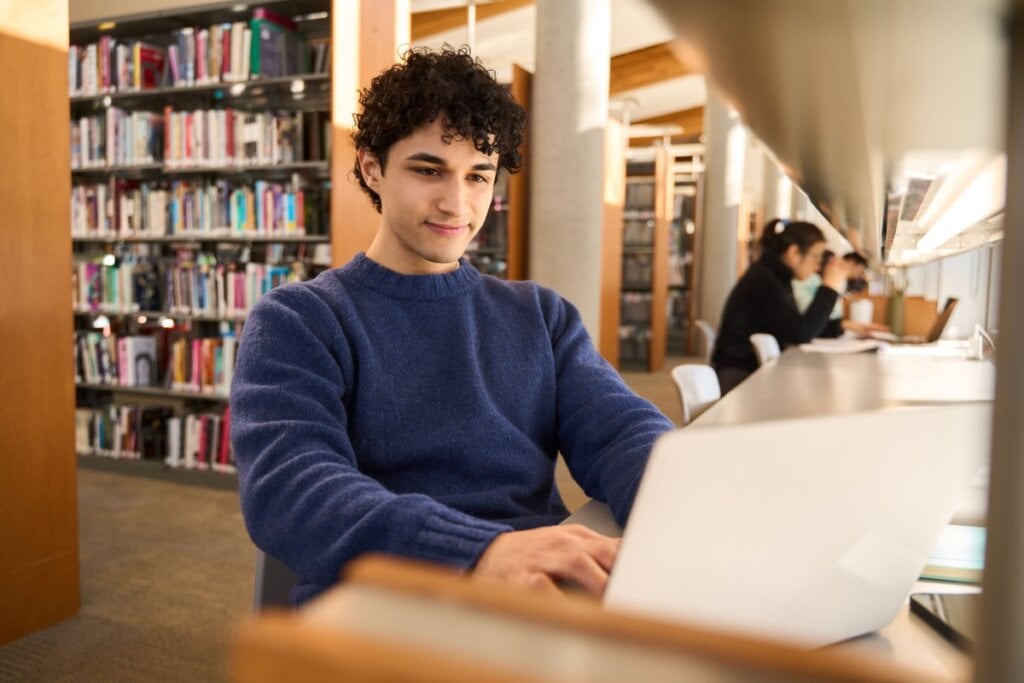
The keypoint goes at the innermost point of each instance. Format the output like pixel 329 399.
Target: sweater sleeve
pixel 784 320
pixel 605 430
pixel 303 497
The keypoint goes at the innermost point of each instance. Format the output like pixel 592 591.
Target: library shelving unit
pixel 500 247
pixel 200 167
pixel 645 251
pixel 658 227
pixel 687 174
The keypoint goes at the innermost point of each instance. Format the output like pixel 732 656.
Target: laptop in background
pixel 810 530
pixel 937 328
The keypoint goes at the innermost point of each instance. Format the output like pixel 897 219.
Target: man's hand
pixel 536 558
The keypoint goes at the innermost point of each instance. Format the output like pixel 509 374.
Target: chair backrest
pixel 708 334
pixel 698 389
pixel 272 584
pixel 766 347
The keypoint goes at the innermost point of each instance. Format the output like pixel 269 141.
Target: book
pixel 149 63
pixel 276 49
pixel 958 556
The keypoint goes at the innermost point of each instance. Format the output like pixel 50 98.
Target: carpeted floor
pixel 166 576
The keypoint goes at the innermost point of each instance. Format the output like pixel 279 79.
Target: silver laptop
pixel 810 530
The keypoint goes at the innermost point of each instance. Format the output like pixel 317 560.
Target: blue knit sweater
pixel 420 415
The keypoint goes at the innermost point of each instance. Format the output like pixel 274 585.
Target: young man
pixel 406 404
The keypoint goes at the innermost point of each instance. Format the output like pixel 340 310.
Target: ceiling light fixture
pixel 983 196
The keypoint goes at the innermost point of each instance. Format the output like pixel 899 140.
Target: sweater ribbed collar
pixel 374 276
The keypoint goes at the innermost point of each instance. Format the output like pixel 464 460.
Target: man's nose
pixel 452 198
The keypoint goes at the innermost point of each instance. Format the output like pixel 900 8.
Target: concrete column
pixel 569 112
pixel 724 149
pixel 778 194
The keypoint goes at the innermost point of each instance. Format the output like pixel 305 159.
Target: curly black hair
pixel 449 83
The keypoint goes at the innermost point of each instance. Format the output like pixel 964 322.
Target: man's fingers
pixel 538 557
pixel 582 569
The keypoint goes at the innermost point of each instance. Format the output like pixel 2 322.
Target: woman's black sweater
pixel 762 301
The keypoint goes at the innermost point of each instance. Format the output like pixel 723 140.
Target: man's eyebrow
pixel 438 161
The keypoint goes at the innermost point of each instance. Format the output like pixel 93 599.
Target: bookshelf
pixel 200 148
pixel 644 290
pixel 659 221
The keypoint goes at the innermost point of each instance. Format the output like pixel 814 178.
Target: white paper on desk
pixel 840 345
pixel 917 379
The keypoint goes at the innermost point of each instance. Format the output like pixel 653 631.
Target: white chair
pixel 708 334
pixel 698 389
pixel 766 347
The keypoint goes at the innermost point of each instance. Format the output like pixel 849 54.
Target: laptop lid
pixel 811 530
pixel 941 320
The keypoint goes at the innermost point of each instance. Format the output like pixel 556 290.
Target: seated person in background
pixel 803 293
pixel 406 404
pixel 762 300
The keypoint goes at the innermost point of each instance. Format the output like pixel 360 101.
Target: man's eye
pixel 476 178
pixel 426 171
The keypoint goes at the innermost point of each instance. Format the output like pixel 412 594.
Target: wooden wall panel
pixel 664 190
pixel 38 500
pixel 518 239
pixel 366 36
pixel 611 241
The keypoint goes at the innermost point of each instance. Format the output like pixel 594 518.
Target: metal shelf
pixel 201 237
pixel 154 391
pixel 156 469
pixel 310 168
pixel 163 314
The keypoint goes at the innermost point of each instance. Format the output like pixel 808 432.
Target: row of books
pixel 637 270
pixel 203 365
pixel 267 46
pixel 639 196
pixel 131 432
pixel 638 231
pixel 200 441
pixel 128 208
pixel 109 65
pixel 203 138
pixel 635 308
pixel 117 137
pixel 194 441
pixel 196 285
pixel 122 360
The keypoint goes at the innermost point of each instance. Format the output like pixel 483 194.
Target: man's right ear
pixel 369 166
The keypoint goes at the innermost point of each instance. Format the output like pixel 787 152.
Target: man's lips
pixel 445 228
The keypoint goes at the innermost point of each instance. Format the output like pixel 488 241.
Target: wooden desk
pixel 804 384
pixel 392 621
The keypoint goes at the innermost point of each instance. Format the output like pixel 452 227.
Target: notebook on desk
pixel 933 335
pixel 810 530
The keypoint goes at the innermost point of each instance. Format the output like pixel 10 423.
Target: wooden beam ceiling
pixel 425 24
pixel 690 120
pixel 647 66
pixel 627 71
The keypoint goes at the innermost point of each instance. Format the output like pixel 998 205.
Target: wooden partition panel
pixel 38 503
pixel 918 313
pixel 611 240
pixel 366 36
pixel 664 190
pixel 519 189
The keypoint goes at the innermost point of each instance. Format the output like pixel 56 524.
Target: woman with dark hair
pixel 762 300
